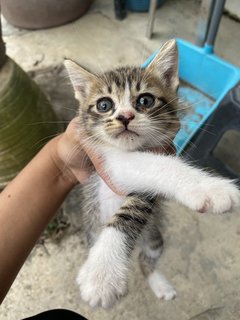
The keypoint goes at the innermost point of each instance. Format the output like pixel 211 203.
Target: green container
pixel 27 120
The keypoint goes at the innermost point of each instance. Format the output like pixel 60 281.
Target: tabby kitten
pixel 123 112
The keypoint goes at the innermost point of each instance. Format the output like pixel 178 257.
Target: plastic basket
pixel 204 80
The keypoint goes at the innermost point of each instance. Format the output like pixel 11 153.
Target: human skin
pixel 31 199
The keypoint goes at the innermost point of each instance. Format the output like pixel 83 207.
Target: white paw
pixel 160 286
pixel 103 277
pixel 101 285
pixel 212 194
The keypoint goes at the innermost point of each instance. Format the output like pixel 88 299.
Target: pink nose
pixel 126 117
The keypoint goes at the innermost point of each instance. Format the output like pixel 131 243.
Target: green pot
pixel 27 120
pixel 2 47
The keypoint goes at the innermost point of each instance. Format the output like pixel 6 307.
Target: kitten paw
pixel 160 286
pixel 103 277
pixel 214 195
pixel 101 285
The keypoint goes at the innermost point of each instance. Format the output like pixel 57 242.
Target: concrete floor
pixel 202 254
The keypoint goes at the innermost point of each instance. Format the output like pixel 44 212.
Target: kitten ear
pixel 165 64
pixel 80 78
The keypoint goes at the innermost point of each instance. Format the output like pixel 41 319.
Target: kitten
pixel 123 112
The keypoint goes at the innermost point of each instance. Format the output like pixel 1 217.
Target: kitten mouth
pixel 127 132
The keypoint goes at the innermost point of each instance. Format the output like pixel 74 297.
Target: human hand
pixel 76 162
pixel 69 156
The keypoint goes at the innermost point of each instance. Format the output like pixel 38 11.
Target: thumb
pixel 98 161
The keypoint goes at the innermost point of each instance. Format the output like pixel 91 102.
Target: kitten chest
pixel 109 202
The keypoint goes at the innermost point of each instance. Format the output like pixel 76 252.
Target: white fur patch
pixel 126 102
pixel 160 286
pixel 210 194
pixel 154 254
pixel 103 277
pixel 170 176
pixel 109 202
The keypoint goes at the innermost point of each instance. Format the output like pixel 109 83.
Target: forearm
pixel 26 206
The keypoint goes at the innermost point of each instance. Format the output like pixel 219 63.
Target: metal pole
pixel 214 23
pixel 204 19
pixel 120 9
pixel 152 11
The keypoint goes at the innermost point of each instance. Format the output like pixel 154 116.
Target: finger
pixel 72 129
pixel 98 162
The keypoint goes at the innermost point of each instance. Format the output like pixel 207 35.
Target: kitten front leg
pixel 209 194
pixel 172 177
pixel 103 277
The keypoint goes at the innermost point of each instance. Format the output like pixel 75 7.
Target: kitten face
pixel 128 108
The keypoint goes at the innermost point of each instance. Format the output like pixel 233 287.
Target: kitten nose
pixel 126 117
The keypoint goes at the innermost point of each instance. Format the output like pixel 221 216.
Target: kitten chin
pixel 126 142
pixel 131 141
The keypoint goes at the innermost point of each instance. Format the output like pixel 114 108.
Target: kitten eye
pixel 145 100
pixel 104 105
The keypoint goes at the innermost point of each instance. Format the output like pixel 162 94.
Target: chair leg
pixel 204 21
pixel 152 11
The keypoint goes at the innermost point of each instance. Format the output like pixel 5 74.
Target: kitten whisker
pixel 45 138
pixel 165 105
pixel 187 103
pixel 71 109
pixel 46 122
pixel 70 156
pixel 186 123
pixel 182 121
pixel 168 140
